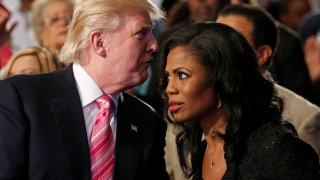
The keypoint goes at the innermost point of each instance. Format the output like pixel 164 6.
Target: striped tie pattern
pixel 102 143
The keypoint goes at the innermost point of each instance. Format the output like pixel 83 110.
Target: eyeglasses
pixel 55 20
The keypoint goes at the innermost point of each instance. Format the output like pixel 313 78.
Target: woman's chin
pixel 178 118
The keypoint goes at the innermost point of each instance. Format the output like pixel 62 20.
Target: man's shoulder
pixel 136 103
pixel 295 106
pixel 36 82
pixel 140 112
pixel 295 98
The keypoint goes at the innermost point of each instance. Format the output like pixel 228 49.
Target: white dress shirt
pixel 89 91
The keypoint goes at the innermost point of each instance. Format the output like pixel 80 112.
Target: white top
pixel 22 35
pixel 89 91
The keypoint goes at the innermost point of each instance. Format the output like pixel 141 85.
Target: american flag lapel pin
pixel 134 128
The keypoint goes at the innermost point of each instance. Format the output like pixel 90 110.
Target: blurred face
pixel 295 13
pixel 201 10
pixel 242 24
pixel 56 16
pixel 26 64
pixel 129 49
pixel 190 93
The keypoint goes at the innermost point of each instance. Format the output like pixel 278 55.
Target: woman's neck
pixel 214 165
pixel 215 123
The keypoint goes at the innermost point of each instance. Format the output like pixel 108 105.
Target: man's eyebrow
pixel 147 26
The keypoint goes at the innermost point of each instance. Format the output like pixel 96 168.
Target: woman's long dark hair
pixel 249 100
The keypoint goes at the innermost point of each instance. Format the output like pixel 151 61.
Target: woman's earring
pixel 219 103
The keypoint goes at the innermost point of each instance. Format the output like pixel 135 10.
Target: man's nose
pixel 153 45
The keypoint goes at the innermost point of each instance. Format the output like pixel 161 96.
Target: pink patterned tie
pixel 102 143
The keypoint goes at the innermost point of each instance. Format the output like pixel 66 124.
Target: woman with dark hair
pixel 227 114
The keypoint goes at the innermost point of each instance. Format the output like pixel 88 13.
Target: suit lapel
pixel 66 107
pixel 128 148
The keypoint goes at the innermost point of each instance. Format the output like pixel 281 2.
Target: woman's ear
pixel 97 42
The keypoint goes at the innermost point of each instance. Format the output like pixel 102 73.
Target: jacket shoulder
pixel 137 104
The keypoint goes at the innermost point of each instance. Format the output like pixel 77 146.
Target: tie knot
pixel 104 102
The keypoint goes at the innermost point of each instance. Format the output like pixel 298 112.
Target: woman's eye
pixel 182 75
pixel 168 77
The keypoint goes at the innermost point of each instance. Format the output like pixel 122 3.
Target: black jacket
pixel 43 134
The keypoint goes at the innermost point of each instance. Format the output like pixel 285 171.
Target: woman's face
pixel 190 92
pixel 26 64
pixel 56 17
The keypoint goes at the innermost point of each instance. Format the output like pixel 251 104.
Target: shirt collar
pixel 88 89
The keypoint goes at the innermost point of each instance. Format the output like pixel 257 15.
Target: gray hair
pixel 37 15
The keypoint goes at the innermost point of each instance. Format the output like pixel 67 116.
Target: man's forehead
pixel 140 20
pixel 238 22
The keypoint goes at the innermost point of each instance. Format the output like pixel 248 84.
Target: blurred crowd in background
pixel 43 24
pixel 32 32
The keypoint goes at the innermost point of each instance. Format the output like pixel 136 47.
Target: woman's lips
pixel 175 106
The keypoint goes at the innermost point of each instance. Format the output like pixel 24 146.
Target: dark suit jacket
pixel 43 134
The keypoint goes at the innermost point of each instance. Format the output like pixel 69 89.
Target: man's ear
pixel 96 40
pixel 263 53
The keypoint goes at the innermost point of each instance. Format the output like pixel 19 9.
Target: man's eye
pixel 182 75
pixel 143 33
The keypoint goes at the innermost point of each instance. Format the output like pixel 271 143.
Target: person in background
pixel 252 2
pixel 260 30
pixel 228 114
pixel 31 60
pixel 4 17
pixel 289 12
pixel 5 49
pixel 310 25
pixel 311 32
pixel 288 67
pixel 78 123
pixel 50 22
pixel 23 35
pixel 312 57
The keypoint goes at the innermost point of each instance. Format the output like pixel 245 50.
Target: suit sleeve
pixel 13 134
pixel 154 165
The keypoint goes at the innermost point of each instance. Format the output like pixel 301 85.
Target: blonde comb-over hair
pixel 101 15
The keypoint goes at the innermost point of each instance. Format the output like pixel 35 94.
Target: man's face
pixel 296 10
pixel 129 49
pixel 204 10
